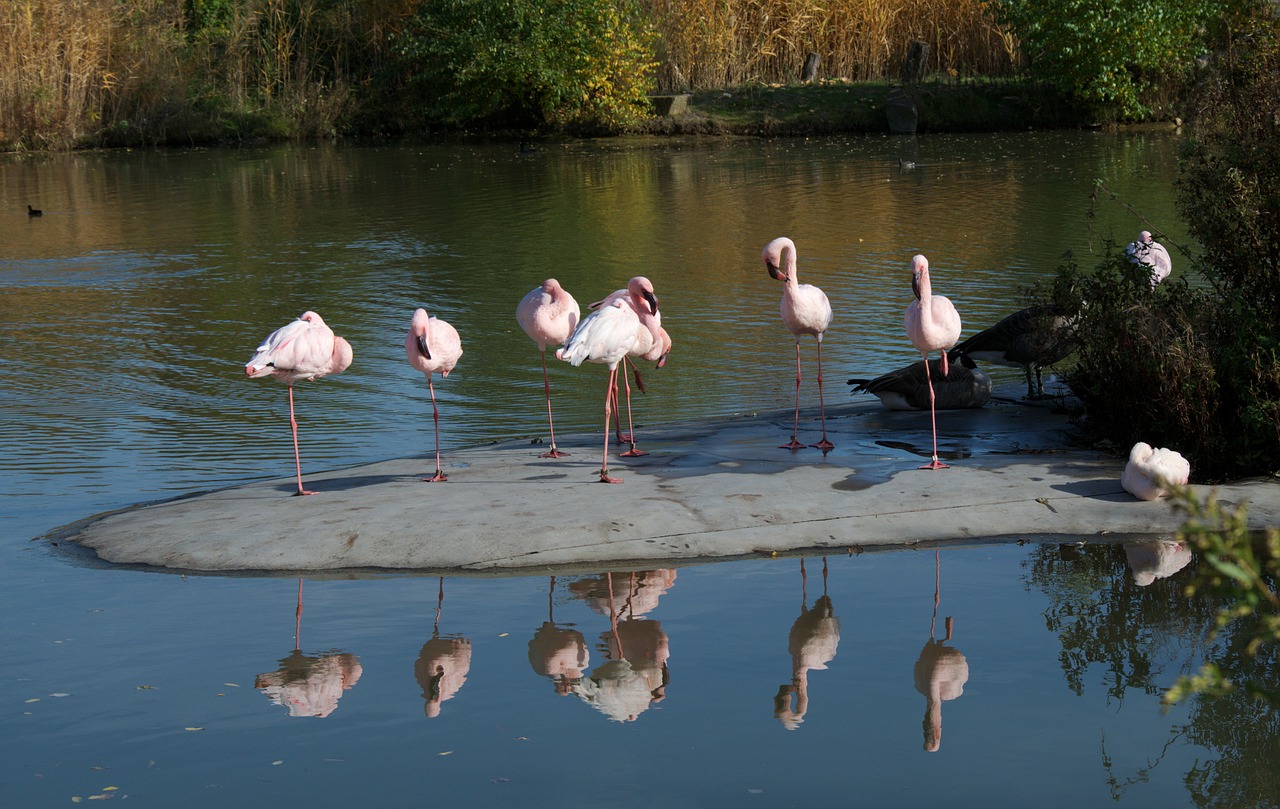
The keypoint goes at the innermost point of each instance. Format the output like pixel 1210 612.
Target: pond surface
pixel 128 309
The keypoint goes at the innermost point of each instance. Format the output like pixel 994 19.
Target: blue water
pixel 129 308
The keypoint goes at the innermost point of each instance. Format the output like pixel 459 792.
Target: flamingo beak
pixel 422 346
pixel 915 285
pixel 653 301
pixel 774 272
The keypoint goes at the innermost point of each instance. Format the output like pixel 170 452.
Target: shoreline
pixel 713 490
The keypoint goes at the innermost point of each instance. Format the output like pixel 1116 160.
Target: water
pixel 129 308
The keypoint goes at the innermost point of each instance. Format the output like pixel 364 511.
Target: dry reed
pixel 726 43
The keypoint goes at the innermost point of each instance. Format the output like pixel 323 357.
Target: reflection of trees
pixel 1245 732
pixel 1103 618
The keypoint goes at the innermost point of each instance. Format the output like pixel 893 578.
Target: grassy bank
pixel 77 73
pixel 943 105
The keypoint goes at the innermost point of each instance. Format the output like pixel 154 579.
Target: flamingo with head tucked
pixel 433 345
pixel 1149 253
pixel 933 324
pixel 606 336
pixel 303 349
pixel 805 310
pixel 652 344
pixel 548 314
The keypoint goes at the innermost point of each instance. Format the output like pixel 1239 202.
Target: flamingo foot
pixel 824 445
pixel 632 453
pixel 604 477
pixel 793 445
pixel 301 492
pixel 554 453
pixel 934 464
pixel 626 439
pixel 440 477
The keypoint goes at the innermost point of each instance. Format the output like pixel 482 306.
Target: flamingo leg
pixel 297 620
pixel 795 427
pixel 297 457
pixel 546 386
pixel 617 411
pixel 933 419
pixel 631 427
pixel 824 444
pixel 608 396
pixel 439 476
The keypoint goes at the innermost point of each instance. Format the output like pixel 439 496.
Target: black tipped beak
pixel 653 301
pixel 774 272
pixel 422 346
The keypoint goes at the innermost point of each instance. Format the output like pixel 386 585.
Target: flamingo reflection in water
pixel 635 676
pixel 309 686
pixel 940 672
pixel 1158 559
pixel 442 665
pixel 558 652
pixel 813 641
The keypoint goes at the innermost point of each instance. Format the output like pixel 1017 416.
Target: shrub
pixel 577 64
pixel 1112 54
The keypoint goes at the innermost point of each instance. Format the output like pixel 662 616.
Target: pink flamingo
pixel 805 310
pixel 304 349
pixel 606 336
pixel 548 314
pixel 652 343
pixel 933 324
pixel 433 345
pixel 1149 253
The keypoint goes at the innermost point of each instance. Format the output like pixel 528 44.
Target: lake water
pixel 128 309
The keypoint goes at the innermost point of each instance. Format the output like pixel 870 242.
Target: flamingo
pixel 34 211
pixel 933 324
pixel 1149 253
pixel 805 310
pixel 652 343
pixel 548 314
pixel 433 345
pixel 1029 339
pixel 1151 473
pixel 303 349
pixel 606 336
pixel 908 388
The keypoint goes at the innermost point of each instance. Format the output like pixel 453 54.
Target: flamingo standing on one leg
pixel 605 336
pixel 652 343
pixel 933 324
pixel 805 310
pixel 433 345
pixel 548 314
pixel 304 349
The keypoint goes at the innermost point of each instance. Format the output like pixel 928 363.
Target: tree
pixel 576 64
pixel 1111 54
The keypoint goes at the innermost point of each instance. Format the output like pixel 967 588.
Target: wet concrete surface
pixel 706 490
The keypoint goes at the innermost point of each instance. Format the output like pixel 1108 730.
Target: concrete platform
pixel 707 490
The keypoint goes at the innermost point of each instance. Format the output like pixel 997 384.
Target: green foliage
pixel 1240 572
pixel 1112 54
pixel 1229 191
pixel 577 64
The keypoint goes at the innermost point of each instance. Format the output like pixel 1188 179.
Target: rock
pixel 670 105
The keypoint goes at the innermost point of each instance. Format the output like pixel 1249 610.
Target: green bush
pixel 572 64
pixel 1111 54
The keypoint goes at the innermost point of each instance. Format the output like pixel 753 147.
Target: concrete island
pixel 708 490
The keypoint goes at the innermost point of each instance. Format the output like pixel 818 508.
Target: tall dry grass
pixel 77 72
pixel 726 43
pixel 70 68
